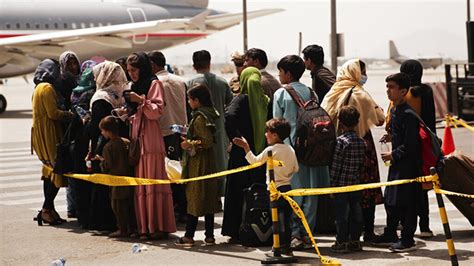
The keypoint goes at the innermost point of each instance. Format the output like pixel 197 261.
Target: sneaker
pixel 209 241
pixel 426 234
pixel 340 247
pixel 399 247
pixel 355 246
pixel 297 243
pixel 383 241
pixel 184 242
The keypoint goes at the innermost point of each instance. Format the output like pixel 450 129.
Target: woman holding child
pixel 154 203
pixel 349 90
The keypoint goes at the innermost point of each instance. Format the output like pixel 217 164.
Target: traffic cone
pixel 448 141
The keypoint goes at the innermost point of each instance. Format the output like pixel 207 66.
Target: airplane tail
pixel 179 3
pixel 393 50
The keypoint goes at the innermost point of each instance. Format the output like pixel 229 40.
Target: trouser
pixel 424 212
pixel 71 196
pixel 124 210
pixel 50 191
pixel 192 222
pixel 284 219
pixel 369 219
pixel 174 152
pixel 348 216
pixel 407 215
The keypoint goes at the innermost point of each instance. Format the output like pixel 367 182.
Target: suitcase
pixel 458 176
pixel 256 227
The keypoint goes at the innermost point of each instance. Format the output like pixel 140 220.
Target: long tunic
pixel 46 130
pixel 202 196
pixel 238 124
pixel 221 96
pixel 154 203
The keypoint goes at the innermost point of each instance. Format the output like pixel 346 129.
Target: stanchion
pixel 276 258
pixel 444 218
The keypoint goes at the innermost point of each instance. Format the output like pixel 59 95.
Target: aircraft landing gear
pixel 3 103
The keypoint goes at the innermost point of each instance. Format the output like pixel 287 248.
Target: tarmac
pixel 24 243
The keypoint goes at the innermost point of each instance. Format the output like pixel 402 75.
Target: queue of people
pixel 106 107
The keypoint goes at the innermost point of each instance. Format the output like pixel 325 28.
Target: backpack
pixel 315 132
pixel 431 153
pixel 256 227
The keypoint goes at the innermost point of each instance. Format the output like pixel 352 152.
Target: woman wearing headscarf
pixel 70 72
pixel 153 204
pixel 110 81
pixel 349 90
pixel 420 98
pixel 46 133
pixel 244 117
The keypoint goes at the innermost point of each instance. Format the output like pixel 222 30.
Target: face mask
pixel 363 80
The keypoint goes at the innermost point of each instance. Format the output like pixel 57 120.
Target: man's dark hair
pixel 257 54
pixel 201 59
pixel 279 126
pixel 315 53
pixel 109 123
pixel 202 93
pixel 293 64
pixel 349 116
pixel 158 58
pixel 402 80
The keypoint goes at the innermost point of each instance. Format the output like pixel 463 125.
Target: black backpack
pixel 315 132
pixel 256 227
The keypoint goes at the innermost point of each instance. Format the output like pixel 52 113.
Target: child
pixel 114 161
pixel 348 160
pixel 401 201
pixel 277 130
pixel 203 196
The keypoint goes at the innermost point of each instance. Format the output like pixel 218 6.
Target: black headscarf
pixel 414 69
pixel 48 71
pixel 146 76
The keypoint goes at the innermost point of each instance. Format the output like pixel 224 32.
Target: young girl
pixel 202 196
pixel 114 161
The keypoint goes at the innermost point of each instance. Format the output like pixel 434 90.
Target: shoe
pixel 383 241
pixel 184 242
pixel 426 234
pixel 46 216
pixel 297 243
pixel 354 246
pixel 340 247
pixel 209 241
pixel 368 238
pixel 144 237
pixel 399 247
pixel 118 233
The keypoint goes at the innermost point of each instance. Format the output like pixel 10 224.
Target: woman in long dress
pixel 349 90
pixel 154 203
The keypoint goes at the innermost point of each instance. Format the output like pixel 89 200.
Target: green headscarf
pixel 250 82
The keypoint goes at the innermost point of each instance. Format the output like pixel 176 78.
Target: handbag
pixel 134 148
pixel 64 162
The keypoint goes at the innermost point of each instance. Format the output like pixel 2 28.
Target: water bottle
pixel 89 162
pixel 81 112
pixel 136 248
pixel 180 129
pixel 59 262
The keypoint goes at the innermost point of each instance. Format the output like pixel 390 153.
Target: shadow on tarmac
pixel 17 114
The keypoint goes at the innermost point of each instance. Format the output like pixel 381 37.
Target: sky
pixel 420 28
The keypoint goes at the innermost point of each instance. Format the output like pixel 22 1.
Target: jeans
pixel 192 222
pixel 71 196
pixel 348 216
pixel 50 191
pixel 369 220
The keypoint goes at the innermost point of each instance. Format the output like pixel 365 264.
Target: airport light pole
pixel 468 10
pixel 244 12
pixel 333 37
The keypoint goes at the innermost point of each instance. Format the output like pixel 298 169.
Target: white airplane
pixel 428 62
pixel 32 30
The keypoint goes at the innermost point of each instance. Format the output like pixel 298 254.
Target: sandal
pixel 184 242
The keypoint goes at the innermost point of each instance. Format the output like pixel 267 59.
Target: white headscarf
pixel 111 82
pixel 348 77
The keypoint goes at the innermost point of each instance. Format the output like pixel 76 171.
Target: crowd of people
pixel 104 108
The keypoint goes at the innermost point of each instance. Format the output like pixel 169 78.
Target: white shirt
pixel 281 152
pixel 174 112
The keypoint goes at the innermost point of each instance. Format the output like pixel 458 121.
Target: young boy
pixel 401 201
pixel 277 130
pixel 346 167
pixel 114 161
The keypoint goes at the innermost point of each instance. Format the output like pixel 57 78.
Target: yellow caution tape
pixel 450 193
pixel 113 180
pixel 459 122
